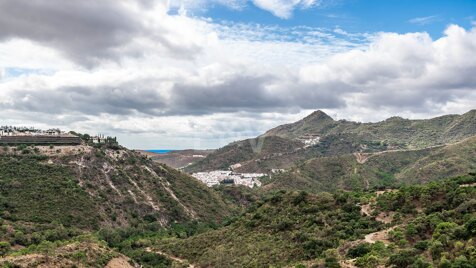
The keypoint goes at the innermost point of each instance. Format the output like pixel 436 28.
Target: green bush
pixel 4 248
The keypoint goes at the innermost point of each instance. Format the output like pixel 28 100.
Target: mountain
pixel 247 153
pixel 318 135
pixel 96 205
pixel 316 122
pixel 363 171
pixel 418 226
pixel 395 131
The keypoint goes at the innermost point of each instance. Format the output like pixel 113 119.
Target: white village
pixel 217 177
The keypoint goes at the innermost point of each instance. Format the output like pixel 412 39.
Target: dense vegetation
pixel 51 196
pixel 432 225
pixel 283 228
pixel 436 225
pixel 34 192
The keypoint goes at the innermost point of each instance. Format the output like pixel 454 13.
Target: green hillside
pixel 283 146
pixel 395 131
pixel 101 187
pixel 378 170
pixel 284 228
pixel 418 226
pixel 247 152
pixel 51 197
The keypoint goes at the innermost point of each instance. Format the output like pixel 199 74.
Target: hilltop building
pixel 28 135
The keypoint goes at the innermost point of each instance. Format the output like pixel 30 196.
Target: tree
pixel 470 227
pixel 402 259
pixel 46 247
pixel 331 256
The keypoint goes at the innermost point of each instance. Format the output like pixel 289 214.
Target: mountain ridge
pixel 318 135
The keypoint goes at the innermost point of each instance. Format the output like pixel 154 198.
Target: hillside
pixel 97 187
pixel 361 171
pixel 419 225
pixel 318 135
pixel 248 152
pixel 178 158
pixel 52 196
pixel 394 131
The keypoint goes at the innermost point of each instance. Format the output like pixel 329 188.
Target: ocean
pixel 159 151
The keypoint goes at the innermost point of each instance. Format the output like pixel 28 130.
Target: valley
pixel 237 134
pixel 315 193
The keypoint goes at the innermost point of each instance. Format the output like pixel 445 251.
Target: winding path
pixel 177 259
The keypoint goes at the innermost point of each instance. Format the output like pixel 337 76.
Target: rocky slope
pixel 59 203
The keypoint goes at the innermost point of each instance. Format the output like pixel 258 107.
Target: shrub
pixel 367 261
pixel 422 245
pixel 4 248
pixel 359 250
pixel 403 258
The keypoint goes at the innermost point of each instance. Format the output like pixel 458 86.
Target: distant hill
pixel 395 131
pixel 178 158
pixel 90 187
pixel 318 135
pixel 362 171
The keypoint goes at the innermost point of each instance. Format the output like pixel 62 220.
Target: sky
pixel 201 73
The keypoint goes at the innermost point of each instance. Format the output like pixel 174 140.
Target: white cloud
pixel 279 8
pixel 202 83
pixel 409 72
pixel 423 20
pixel 284 8
pixel 203 4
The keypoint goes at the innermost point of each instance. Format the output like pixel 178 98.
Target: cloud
pixel 284 8
pixel 204 4
pixel 92 28
pixel 423 20
pixel 409 71
pixel 154 74
pixel 279 8
pixel 90 32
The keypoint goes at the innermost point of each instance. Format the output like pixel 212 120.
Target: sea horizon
pixel 159 151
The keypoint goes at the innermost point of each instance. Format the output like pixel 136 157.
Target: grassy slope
pixel 388 169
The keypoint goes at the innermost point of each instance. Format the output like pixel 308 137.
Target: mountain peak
pixel 318 115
